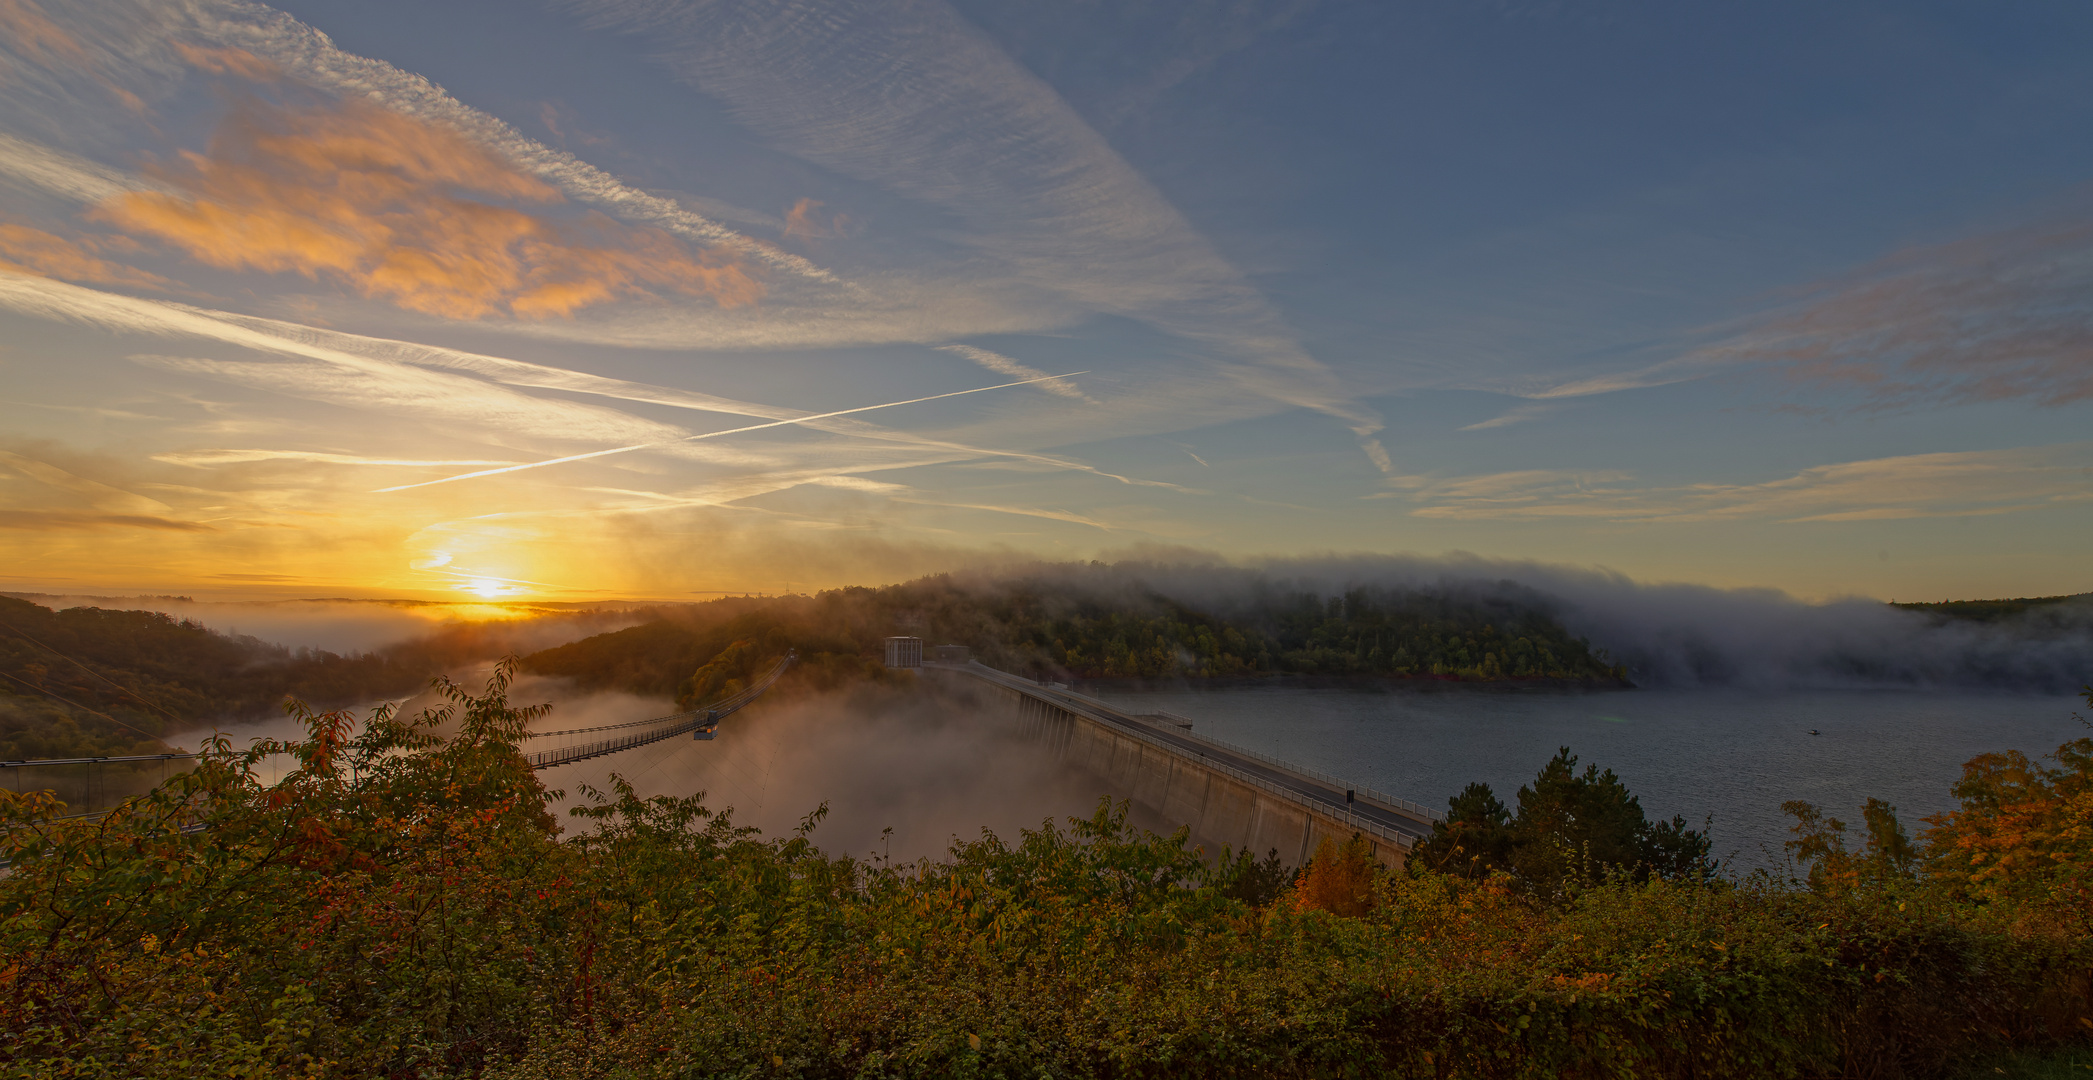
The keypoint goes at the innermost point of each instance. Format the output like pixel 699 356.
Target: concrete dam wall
pixel 1227 795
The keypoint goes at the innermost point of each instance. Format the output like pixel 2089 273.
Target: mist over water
pixel 572 708
pixel 932 766
pixel 1691 635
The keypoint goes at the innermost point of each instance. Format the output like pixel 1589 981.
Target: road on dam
pixel 1411 820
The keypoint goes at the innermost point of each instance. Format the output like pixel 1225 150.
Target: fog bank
pixel 1666 634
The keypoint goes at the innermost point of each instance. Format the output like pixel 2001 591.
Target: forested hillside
pixel 1072 625
pixel 89 681
pixel 86 681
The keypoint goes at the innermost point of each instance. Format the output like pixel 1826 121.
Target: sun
pixel 486 588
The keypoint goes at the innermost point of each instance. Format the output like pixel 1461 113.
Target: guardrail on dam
pixel 1227 794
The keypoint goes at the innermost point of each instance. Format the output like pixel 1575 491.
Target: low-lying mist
pixel 930 766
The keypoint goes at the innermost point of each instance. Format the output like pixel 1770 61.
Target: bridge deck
pixel 1411 821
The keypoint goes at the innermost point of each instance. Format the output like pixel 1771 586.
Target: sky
pixel 663 299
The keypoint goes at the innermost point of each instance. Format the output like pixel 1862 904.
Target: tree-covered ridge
pixel 88 681
pixel 128 677
pixel 1068 626
pixel 1992 611
pixel 1364 631
pixel 403 905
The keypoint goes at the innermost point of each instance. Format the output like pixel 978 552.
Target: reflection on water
pixel 1733 755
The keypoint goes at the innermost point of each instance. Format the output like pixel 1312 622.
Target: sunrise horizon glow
pixel 595 301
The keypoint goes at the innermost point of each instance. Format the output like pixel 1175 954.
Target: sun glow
pixel 487 588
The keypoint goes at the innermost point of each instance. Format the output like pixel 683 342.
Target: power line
pixel 133 694
pixel 79 706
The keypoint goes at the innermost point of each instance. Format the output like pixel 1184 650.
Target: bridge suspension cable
pixel 699 722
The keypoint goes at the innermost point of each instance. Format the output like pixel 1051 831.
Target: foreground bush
pixel 404 906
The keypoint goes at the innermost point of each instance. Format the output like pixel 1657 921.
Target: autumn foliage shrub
pixel 1338 879
pixel 403 906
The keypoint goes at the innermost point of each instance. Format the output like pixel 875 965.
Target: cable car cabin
pixel 708 730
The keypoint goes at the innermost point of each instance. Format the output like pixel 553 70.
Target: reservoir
pixel 1734 756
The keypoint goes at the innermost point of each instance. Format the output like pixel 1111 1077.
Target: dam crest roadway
pixel 1227 795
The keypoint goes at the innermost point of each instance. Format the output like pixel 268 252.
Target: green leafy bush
pixel 403 905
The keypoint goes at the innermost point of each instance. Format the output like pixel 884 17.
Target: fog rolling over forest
pixel 1675 635
pixel 930 764
pixel 1686 635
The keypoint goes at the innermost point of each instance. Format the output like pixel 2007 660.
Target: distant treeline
pixel 1992 611
pixel 1066 626
pixel 88 681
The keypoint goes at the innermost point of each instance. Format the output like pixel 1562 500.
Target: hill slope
pixel 1096 624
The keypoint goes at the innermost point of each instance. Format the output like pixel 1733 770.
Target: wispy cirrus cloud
pixel 1519 415
pixel 1040 194
pixel 1998 316
pixel 392 375
pixel 1003 365
pixel 687 439
pixel 1956 484
pixel 96 494
pixel 331 374
pixel 55 172
pixel 47 520
pixel 2003 316
pixel 243 457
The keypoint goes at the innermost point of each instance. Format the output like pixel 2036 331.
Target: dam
pixel 1226 795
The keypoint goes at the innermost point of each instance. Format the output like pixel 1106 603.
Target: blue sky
pixel 386 298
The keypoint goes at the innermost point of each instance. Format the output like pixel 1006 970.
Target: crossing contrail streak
pixel 717 434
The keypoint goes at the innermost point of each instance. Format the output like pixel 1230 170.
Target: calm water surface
pixel 1735 756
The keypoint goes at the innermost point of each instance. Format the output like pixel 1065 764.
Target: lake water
pixel 1735 756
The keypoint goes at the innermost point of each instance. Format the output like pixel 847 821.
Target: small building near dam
pixel 904 652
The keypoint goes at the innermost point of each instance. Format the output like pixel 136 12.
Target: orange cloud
pixel 34 32
pixel 228 61
pixel 409 212
pixel 33 251
pixel 800 221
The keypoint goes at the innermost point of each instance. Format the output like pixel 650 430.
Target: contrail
pixel 717 434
